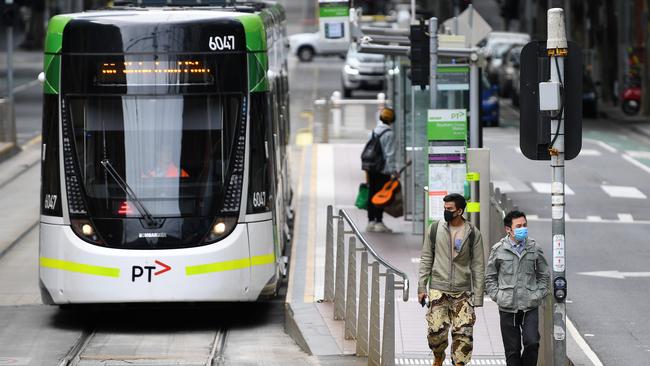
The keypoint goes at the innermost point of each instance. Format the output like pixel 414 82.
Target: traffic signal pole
pixel 557 49
pixel 433 56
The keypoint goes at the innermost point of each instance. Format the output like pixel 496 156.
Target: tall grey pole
pixel 474 102
pixel 433 54
pixel 557 48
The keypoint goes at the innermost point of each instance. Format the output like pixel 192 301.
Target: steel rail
pixel 378 258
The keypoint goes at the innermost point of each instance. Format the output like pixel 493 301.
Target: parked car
pixel 508 69
pixel 489 102
pixel 363 71
pixel 308 45
pixel 496 45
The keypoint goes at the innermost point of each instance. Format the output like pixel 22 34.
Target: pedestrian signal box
pixel 535 133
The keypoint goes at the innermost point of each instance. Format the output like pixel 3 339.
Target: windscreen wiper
pixel 145 214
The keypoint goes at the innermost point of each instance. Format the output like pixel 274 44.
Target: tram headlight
pixel 85 230
pixel 221 227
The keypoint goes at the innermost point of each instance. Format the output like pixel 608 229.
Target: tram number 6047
pixel 218 43
pixel 259 199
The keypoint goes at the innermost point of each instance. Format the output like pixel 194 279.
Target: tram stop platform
pixel 329 174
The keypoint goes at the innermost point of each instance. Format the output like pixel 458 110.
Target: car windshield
pixel 173 151
pixel 365 57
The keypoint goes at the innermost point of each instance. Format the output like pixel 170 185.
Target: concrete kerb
pixel 639 124
pixel 7 150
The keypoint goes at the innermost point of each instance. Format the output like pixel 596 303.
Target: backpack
pixel 434 231
pixel 372 157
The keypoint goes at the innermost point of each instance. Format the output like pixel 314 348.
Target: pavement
pixel 329 174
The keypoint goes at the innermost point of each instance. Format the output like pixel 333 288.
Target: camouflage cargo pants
pixel 457 312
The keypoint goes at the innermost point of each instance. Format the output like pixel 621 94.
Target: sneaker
pixel 371 227
pixel 381 228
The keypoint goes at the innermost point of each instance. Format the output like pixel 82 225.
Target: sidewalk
pixel 329 175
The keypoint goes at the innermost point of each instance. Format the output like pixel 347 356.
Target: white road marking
pixel 545 188
pixel 616 274
pixel 639 154
pixel 625 217
pixel 590 152
pixel 573 332
pixel 585 221
pixel 636 163
pixel 594 218
pixel 504 186
pixel 605 146
pixel 623 192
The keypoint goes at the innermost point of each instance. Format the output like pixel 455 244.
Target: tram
pixel 165 174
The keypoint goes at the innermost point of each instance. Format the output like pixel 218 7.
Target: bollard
pixel 351 293
pixel 339 285
pixel 388 334
pixel 336 114
pixel 374 342
pixel 329 255
pixel 362 321
pixel 325 123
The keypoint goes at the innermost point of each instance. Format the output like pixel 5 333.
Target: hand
pixel 394 175
pixel 421 297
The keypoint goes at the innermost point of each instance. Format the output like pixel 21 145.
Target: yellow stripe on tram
pixel 230 265
pixel 80 267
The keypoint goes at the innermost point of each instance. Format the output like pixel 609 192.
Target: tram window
pixel 173 151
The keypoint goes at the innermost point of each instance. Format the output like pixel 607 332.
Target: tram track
pixel 78 355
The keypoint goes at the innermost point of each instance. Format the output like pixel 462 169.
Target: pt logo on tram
pixel 139 271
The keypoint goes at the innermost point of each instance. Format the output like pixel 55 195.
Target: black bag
pixel 372 157
pixel 396 208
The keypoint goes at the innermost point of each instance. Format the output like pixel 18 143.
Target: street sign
pixel 334 20
pixel 534 127
pixel 469 24
pixel 447 157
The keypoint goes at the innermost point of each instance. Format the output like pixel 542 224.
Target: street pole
pixel 557 49
pixel 433 55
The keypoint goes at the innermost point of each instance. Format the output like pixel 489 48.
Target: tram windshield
pixel 173 151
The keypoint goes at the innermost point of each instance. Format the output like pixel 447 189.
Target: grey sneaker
pixel 381 228
pixel 371 227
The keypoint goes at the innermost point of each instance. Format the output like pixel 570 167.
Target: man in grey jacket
pixel 517 279
pixel 452 271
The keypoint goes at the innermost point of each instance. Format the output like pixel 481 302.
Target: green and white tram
pixel 165 175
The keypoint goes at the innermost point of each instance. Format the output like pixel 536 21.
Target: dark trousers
pixel 376 182
pixel 516 328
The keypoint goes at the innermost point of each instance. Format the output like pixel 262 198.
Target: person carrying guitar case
pixel 378 160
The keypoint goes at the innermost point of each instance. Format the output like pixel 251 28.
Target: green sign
pixel 447 124
pixel 334 11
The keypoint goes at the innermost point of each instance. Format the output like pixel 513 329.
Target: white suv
pixel 308 45
pixel 363 71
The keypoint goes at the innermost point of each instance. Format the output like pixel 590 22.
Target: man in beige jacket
pixel 452 271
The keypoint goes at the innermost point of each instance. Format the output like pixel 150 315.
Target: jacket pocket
pixel 533 296
pixel 505 296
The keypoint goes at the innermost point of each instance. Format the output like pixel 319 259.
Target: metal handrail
pixel 378 258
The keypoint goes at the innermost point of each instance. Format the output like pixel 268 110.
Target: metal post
pixel 557 44
pixel 362 321
pixel 325 121
pixel 336 115
pixel 413 11
pixel 473 102
pixel 339 285
pixel 329 255
pixel 10 61
pixel 433 54
pixel 351 293
pixel 374 342
pixel 388 334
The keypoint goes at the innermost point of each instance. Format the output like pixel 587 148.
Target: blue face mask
pixel 521 233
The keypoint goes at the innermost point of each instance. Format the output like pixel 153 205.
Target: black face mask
pixel 449 215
